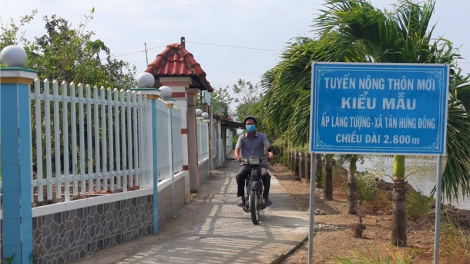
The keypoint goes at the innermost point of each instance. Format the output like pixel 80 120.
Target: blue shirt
pixel 252 146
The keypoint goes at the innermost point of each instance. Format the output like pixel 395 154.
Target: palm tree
pixel 286 104
pixel 366 34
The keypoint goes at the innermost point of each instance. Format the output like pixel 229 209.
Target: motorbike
pixel 254 200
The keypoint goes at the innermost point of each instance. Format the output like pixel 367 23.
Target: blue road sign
pixel 375 108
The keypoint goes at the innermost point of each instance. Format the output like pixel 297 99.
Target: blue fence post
pixel 15 138
pixel 145 82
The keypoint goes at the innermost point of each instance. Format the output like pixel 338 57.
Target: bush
pixel 366 186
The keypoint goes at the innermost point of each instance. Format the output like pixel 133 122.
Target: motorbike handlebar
pixel 246 159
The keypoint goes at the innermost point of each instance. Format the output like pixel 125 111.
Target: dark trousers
pixel 243 173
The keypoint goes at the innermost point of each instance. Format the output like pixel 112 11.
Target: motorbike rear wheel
pixel 254 206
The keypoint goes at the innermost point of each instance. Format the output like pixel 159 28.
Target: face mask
pixel 250 128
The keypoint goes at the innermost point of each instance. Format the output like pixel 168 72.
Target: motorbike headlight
pixel 254 161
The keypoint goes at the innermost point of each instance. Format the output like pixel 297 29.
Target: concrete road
pixel 213 229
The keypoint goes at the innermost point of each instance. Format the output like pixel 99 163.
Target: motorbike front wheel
pixel 254 206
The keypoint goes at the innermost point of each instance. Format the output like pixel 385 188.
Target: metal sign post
pixel 311 228
pixel 437 222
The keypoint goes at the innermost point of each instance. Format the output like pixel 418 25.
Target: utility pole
pixel 146 57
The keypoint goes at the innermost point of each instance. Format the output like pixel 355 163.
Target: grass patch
pixel 376 256
pixel 340 182
pixel 417 205
pixel 455 243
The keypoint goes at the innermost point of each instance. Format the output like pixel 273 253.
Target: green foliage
pixel 366 186
pixel 247 96
pixel 417 205
pixel 69 54
pixel 220 101
pixel 456 175
pixel 11 34
pixel 287 91
pixel 9 260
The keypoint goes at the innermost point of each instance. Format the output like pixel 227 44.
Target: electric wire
pixel 231 46
pixel 200 43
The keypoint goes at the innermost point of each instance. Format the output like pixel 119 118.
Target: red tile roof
pixel 176 61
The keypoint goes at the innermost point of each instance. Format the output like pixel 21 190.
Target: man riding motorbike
pixel 252 144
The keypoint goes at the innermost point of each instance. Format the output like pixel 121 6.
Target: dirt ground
pixel 334 235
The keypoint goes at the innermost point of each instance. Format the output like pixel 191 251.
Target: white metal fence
pixel 163 140
pixel 87 141
pixel 177 149
pixel 205 140
pixel 202 139
pixel 169 139
pixel 214 141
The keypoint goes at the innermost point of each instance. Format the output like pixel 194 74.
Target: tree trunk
pixel 399 202
pixel 307 165
pixel 319 173
pixel 296 164
pixel 292 160
pixel 302 165
pixel 328 184
pixel 352 186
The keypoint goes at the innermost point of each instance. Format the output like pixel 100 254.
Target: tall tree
pixel 287 98
pixel 69 54
pixel 221 100
pixel 247 96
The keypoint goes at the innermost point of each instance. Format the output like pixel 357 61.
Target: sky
pixel 230 39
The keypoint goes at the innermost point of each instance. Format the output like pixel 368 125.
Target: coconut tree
pixel 286 103
pixel 403 35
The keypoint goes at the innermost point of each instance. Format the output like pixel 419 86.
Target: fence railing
pixel 168 140
pixel 214 141
pixel 202 139
pixel 177 149
pixel 163 140
pixel 205 140
pixel 86 141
